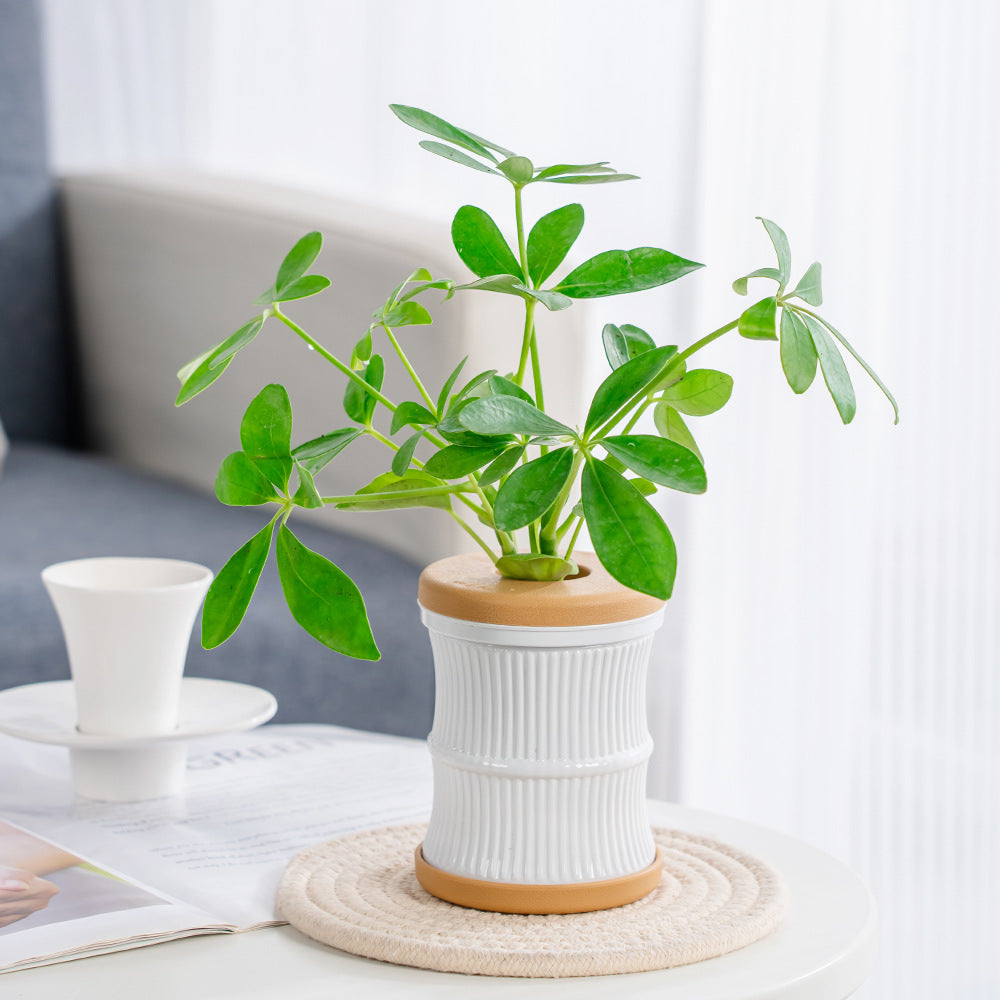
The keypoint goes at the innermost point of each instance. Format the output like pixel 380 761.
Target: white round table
pixel 823 951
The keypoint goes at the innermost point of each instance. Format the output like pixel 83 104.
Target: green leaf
pixel 644 486
pixel 298 260
pixel 625 382
pixel 798 353
pixel 518 170
pixel 595 179
pixel 359 405
pixel 864 364
pixel 481 245
pixel 630 538
pixel 530 566
pixel 488 144
pixel 266 298
pixel 835 374
pixel 562 169
pixel 316 454
pixel 501 386
pixel 760 321
pixel 472 387
pixel 781 248
pixel 362 352
pixel 401 460
pixel 408 491
pixel 229 596
pixel 552 300
pixel 424 121
pixel 455 155
pixel 671 425
pixel 530 490
pixel 235 342
pixel 810 286
pixel 266 434
pixel 240 483
pixel 508 415
pixel 500 466
pixel 456 460
pixel 740 284
pixel 307 495
pixel 659 460
pixel 700 392
pixel 616 272
pixel 408 314
pixel 453 431
pixel 323 599
pixel 311 284
pixel 510 284
pixel 623 343
pixel 550 240
pixel 198 375
pixel 449 385
pixel 411 413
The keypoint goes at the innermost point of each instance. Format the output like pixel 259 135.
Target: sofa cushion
pixel 37 389
pixel 57 505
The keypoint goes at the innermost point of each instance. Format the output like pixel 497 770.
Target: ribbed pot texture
pixel 540 745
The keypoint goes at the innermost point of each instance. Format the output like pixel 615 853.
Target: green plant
pixel 495 455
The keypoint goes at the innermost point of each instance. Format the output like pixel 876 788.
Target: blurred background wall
pixel 830 666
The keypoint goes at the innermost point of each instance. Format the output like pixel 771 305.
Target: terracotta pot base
pixel 507 897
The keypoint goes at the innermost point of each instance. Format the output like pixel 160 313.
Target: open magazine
pixel 81 878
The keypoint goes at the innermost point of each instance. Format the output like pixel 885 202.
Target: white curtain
pixel 830 664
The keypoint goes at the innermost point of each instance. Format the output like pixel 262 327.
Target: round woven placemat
pixel 359 894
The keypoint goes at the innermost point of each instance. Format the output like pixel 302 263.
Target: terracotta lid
pixel 469 587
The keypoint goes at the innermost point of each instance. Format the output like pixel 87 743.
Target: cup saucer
pixel 46 713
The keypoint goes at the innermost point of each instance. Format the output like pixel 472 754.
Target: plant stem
pixel 526 340
pixel 413 375
pixel 336 362
pixel 572 541
pixel 472 533
pixel 430 491
pixel 381 437
pixel 550 530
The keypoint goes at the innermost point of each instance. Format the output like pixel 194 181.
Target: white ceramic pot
pixel 540 745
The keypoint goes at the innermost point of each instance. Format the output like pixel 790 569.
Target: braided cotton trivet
pixel 359 894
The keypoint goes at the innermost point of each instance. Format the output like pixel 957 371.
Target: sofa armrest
pixel 165 265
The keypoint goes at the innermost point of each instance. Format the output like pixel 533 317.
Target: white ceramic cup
pixel 127 623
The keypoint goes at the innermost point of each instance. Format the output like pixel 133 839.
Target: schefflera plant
pixel 488 450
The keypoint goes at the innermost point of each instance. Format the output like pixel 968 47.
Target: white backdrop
pixel 831 664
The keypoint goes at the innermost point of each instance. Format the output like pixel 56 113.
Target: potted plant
pixel 540 739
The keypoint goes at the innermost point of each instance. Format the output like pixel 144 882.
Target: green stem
pixel 381 437
pixel 472 533
pixel 336 362
pixel 645 405
pixel 413 375
pixel 572 541
pixel 430 491
pixel 550 530
pixel 526 340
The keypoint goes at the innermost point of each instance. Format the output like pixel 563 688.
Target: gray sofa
pixel 61 499
pixel 108 284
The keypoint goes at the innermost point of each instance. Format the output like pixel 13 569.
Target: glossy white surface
pixel 130 769
pixel 540 746
pixel 45 713
pixel 823 951
pixel 127 622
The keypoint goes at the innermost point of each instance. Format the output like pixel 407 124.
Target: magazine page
pixel 252 801
pixel 54 903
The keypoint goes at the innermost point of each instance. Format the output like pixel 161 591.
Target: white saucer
pixel 46 713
